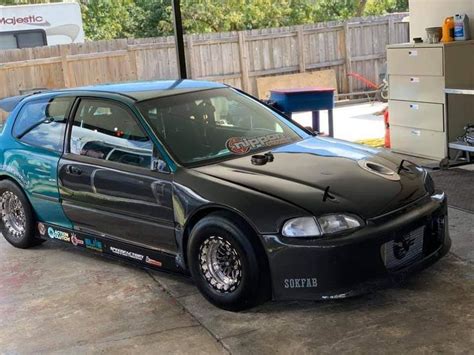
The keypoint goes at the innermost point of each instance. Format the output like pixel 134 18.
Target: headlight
pixel 334 223
pixel 304 227
pixel 301 227
pixel 429 184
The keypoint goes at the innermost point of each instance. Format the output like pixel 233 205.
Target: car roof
pixel 144 90
pixel 138 90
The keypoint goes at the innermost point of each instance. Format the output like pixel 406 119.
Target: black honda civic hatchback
pixel 201 179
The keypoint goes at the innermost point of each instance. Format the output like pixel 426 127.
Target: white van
pixel 27 26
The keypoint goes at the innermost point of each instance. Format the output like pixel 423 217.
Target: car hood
pixel 301 173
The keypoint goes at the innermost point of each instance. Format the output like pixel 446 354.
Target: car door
pixel 112 181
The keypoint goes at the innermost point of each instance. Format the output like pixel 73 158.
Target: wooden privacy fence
pixel 235 58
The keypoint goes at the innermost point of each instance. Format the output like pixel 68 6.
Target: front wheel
pixel 227 264
pixel 16 217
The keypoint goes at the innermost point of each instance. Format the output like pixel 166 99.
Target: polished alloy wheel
pixel 220 264
pixel 13 214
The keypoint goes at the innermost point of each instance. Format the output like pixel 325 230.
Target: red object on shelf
pixel 387 128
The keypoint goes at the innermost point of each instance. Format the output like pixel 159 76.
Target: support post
pixel 301 58
pixel 64 52
pixel 191 59
pixel 391 30
pixel 244 62
pixel 348 55
pixel 132 61
pixel 179 40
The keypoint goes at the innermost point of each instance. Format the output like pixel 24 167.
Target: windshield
pixel 212 125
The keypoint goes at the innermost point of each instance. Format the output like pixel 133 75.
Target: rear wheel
pixel 226 264
pixel 16 217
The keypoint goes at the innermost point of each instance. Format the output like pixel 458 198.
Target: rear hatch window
pixel 7 105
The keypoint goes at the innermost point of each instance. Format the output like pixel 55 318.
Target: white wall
pixel 431 13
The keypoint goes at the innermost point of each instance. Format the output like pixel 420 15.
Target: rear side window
pixel 42 123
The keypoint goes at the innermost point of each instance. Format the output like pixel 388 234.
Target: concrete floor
pixel 56 299
pixel 351 122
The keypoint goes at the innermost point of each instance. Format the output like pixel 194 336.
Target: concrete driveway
pixel 351 122
pixel 56 299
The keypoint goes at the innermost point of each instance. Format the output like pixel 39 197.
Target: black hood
pixel 301 172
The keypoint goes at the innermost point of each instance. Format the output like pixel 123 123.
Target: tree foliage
pixel 380 7
pixel 26 2
pixel 107 19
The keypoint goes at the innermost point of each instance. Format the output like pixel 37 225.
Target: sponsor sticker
pixel 41 229
pixel 301 283
pixel 126 253
pixel 335 297
pixel 76 241
pixel 242 145
pixel 59 235
pixel 94 244
pixel 153 262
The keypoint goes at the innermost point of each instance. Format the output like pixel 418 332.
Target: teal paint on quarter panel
pixel 35 170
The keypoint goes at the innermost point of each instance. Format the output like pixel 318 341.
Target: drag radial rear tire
pixel 17 222
pixel 227 264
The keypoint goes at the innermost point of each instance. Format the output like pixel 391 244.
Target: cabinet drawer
pixel 417 115
pixel 415 61
pixel 417 88
pixel 418 142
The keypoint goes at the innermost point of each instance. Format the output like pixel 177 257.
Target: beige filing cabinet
pixel 418 76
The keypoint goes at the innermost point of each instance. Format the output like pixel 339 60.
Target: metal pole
pixel 179 40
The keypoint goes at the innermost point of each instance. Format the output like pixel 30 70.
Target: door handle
pixel 73 170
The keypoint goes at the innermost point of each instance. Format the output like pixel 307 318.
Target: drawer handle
pixel 416 132
pixel 412 53
pixel 414 80
pixel 414 106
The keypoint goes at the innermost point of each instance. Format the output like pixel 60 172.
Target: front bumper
pixel 344 266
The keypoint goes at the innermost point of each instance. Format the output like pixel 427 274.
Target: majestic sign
pixel 30 20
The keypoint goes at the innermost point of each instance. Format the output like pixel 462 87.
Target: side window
pixel 31 39
pixel 23 39
pixel 8 41
pixel 108 131
pixel 42 123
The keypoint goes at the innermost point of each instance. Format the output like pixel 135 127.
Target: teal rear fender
pixel 35 171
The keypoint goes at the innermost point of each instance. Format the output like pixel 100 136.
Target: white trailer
pixel 27 26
